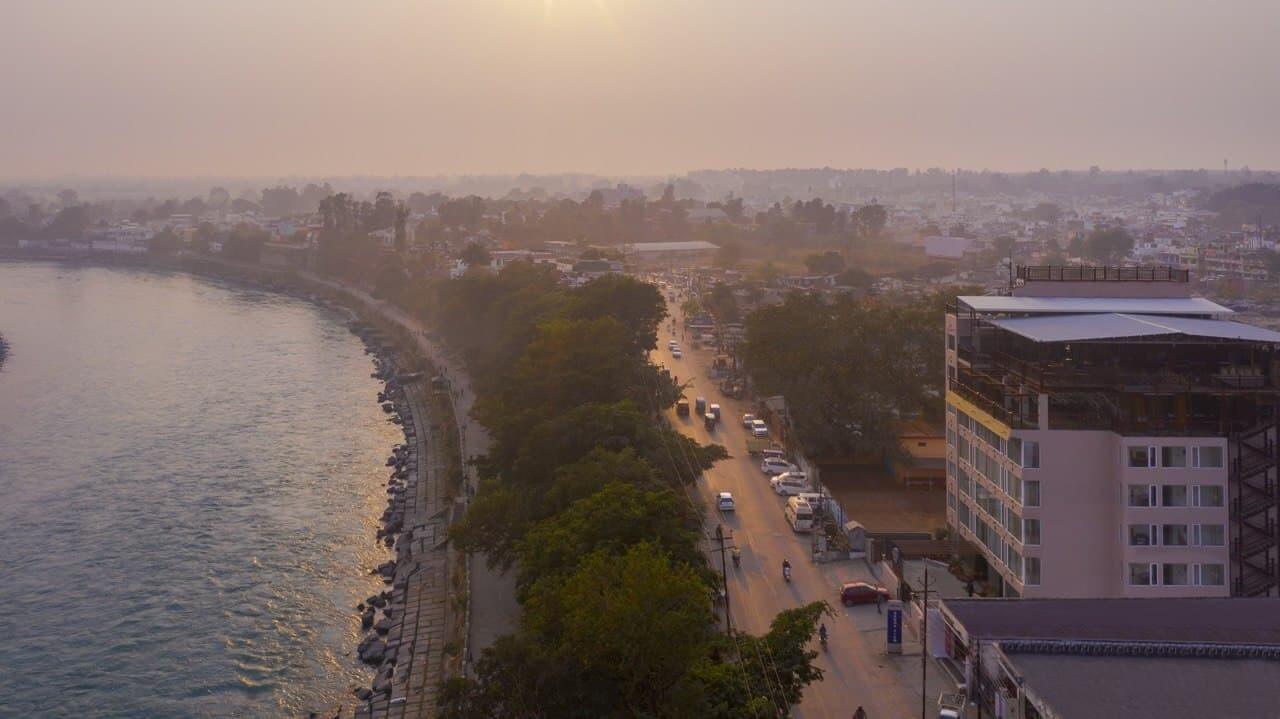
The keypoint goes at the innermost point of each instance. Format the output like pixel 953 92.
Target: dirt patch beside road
pixel 871 496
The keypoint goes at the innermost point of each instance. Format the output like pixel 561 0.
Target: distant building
pixel 924 455
pixel 951 248
pixel 670 254
pixel 1131 658
pixel 702 215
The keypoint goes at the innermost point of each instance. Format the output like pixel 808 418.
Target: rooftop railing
pixel 1080 273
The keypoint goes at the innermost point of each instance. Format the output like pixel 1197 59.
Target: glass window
pixel 1173 574
pixel 1173 495
pixel 1173 535
pixel 951 342
pixel 1140 535
pixel 1208 457
pixel 1031 568
pixel 951 499
pixel 1030 454
pixel 1014 449
pixel 1173 456
pixel 1212 575
pixel 1139 457
pixel 1031 493
pixel 1139 495
pixel 1140 574
pixel 1211 535
pixel 1031 531
pixel 1209 495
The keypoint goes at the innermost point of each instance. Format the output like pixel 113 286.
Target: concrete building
pixel 1108 435
pixel 1130 658
pixel 692 253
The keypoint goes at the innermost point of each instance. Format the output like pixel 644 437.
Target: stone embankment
pixel 409 625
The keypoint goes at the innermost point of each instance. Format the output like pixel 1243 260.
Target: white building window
pixel 1172 575
pixel 1031 532
pixel 1210 535
pixel 1173 535
pixel 1142 535
pixel 1173 495
pixel 1142 495
pixel 1208 495
pixel 1142 456
pixel 1031 571
pixel 1207 457
pixel 1031 493
pixel 1142 575
pixel 1173 456
pixel 1030 454
pixel 1210 575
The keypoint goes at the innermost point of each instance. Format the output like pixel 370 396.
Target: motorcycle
pixel 786 571
pixel 822 635
pixel 737 557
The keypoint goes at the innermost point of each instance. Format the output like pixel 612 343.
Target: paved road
pixel 858 671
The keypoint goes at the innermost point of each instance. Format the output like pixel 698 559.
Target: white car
pixel 773 466
pixel 672 344
pixel 724 501
pixel 748 420
pixel 790 483
pixel 759 428
pixel 676 353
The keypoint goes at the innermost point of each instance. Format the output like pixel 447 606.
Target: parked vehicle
pixel 709 421
pixel 747 420
pixel 774 466
pixel 759 428
pixel 672 344
pixel 761 446
pixel 852 593
pixel 777 452
pixel 799 514
pixel 724 501
pixel 682 407
pixel 790 483
pixel 700 405
pixel 715 409
pixel 675 353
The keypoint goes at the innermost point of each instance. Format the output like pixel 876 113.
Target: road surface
pixel 858 671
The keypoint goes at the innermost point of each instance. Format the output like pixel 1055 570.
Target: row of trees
pixel 584 492
pixel 851 371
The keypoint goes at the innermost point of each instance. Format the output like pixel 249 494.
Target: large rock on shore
pixel 372 650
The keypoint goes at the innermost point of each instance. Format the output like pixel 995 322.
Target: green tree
pixel 638 621
pixel 165 242
pixel 825 263
pixel 475 255
pixel 618 516
pixel 1108 245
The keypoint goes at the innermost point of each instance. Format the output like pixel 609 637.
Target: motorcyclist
pixel 822 633
pixel 786 569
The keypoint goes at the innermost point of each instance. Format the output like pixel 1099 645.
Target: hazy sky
pixel 421 87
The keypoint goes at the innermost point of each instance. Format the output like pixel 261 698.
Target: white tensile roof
pixel 1133 305
pixel 1074 328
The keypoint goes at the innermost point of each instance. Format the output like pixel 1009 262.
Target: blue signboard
pixel 893 616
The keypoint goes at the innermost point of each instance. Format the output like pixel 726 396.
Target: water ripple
pixel 189 477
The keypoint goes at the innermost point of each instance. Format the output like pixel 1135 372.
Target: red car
pixel 852 593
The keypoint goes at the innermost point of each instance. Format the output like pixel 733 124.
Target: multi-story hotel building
pixel 1109 435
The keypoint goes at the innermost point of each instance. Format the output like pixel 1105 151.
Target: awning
pixel 1077 305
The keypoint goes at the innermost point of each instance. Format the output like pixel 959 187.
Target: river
pixel 190 474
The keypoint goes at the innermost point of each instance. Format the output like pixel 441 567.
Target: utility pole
pixel 924 645
pixel 724 574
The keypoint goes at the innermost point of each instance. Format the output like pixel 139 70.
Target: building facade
pixel 1108 435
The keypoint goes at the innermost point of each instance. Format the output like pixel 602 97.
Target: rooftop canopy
pixel 1222 621
pixel 1076 328
pixel 1195 306
pixel 690 246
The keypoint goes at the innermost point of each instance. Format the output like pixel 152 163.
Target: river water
pixel 190 475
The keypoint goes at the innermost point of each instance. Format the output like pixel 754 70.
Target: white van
pixel 799 514
pixel 790 483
